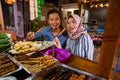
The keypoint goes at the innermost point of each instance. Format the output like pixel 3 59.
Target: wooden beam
pixel 1 17
pixel 110 39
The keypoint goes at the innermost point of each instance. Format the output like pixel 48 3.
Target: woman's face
pixel 72 25
pixel 54 20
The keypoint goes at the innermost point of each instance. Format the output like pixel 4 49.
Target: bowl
pixel 60 54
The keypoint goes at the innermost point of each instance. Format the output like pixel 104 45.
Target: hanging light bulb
pixel 85 1
pixel 106 4
pixel 91 6
pixel 96 5
pixel 101 5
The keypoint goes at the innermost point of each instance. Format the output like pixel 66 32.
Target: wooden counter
pixel 83 64
pixel 88 66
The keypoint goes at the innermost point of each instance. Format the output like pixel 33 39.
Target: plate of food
pixel 35 62
pixel 8 66
pixel 29 46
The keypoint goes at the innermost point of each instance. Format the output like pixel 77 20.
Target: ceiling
pixel 55 2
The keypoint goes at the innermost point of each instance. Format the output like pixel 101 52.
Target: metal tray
pixel 34 62
pixel 64 72
pixel 33 46
pixel 8 66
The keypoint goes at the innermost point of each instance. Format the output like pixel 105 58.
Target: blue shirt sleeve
pixel 47 34
pixel 38 34
pixel 42 33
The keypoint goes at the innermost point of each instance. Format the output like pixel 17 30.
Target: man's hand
pixel 30 36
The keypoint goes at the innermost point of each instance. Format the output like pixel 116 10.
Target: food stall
pixel 32 64
pixel 36 65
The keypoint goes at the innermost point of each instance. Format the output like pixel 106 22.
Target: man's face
pixel 54 20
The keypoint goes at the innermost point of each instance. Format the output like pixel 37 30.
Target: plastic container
pixel 61 54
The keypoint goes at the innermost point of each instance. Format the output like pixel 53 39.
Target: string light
pixel 95 3
pixel 106 4
pixel 101 5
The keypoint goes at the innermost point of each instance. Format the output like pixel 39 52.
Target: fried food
pixel 36 64
pixel 76 77
pixel 6 65
pixel 25 47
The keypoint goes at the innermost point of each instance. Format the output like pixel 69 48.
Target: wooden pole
pixel 110 39
pixel 1 17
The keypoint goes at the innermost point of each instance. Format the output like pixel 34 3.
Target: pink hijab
pixel 80 29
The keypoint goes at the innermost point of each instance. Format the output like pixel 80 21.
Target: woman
pixel 51 31
pixel 79 41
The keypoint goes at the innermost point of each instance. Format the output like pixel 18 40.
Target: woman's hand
pixel 57 42
pixel 30 35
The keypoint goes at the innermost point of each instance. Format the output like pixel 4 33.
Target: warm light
pixel 96 6
pixel 85 1
pixel 10 1
pixel 91 6
pixel 95 3
pixel 62 9
pixel 106 4
pixel 101 5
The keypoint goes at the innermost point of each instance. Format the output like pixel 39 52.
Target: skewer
pixel 53 52
pixel 62 31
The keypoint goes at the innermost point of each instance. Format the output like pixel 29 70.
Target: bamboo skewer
pixel 53 52
pixel 60 32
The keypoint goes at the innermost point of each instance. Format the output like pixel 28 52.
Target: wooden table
pixel 86 65
pixel 82 63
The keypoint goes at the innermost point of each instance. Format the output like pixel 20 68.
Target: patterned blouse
pixel 83 46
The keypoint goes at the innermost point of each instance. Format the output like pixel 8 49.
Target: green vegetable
pixel 3 35
pixel 4 45
pixel 4 41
